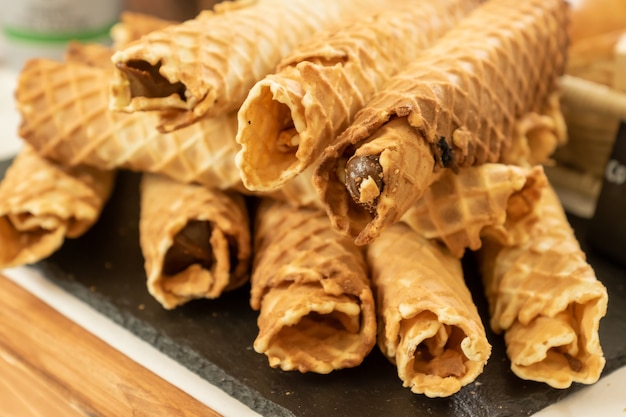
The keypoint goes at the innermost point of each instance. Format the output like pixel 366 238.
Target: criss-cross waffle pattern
pixel 311 286
pixel 428 323
pixel 65 117
pixel 469 89
pixel 458 207
pixel 219 55
pixel 318 88
pixel 547 300
pixel 42 203
pixel 167 206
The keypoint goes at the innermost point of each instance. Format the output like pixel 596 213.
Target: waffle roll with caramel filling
pixel 455 105
pixel 65 117
pixel 205 66
pixel 291 115
pixel 195 240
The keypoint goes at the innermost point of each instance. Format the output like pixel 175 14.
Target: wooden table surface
pixel 50 366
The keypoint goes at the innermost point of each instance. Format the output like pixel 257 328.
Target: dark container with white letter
pixel 607 232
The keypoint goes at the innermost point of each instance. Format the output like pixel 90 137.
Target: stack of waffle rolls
pixel 435 156
pixel 66 118
pixel 456 105
pixel 290 116
pixel 206 66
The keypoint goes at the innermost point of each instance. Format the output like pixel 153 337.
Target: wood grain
pixel 51 366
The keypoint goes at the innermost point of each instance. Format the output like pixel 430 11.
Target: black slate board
pixel 213 338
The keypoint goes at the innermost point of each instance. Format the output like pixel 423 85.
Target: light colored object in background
pixel 619 80
pixel 596 78
pixel 35 28
pixel 593 112
pixel 577 190
pixel 595 28
pixel 9 116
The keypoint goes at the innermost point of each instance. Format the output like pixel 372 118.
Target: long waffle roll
pixel 43 203
pixel 456 105
pixel 546 299
pixel 312 289
pixel 290 116
pixel 195 240
pixel 428 325
pixel 206 66
pixel 460 209
pixel 65 117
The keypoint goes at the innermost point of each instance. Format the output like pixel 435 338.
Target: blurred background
pixel 169 9
pixel 42 28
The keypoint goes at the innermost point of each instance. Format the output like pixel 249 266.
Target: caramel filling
pixel 146 81
pixel 191 246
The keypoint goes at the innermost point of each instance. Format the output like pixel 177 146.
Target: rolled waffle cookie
pixel 456 105
pixel 547 300
pixel 428 325
pixel 311 286
pixel 459 209
pixel 206 66
pixel 65 117
pixel 195 240
pixel 43 203
pixel 291 115
pixel 88 53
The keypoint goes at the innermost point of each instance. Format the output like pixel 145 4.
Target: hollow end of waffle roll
pixel 23 248
pixel 195 240
pixel 140 84
pixel 303 328
pixel 546 299
pixel 436 358
pixel 270 136
pixel 201 261
pixel 562 349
